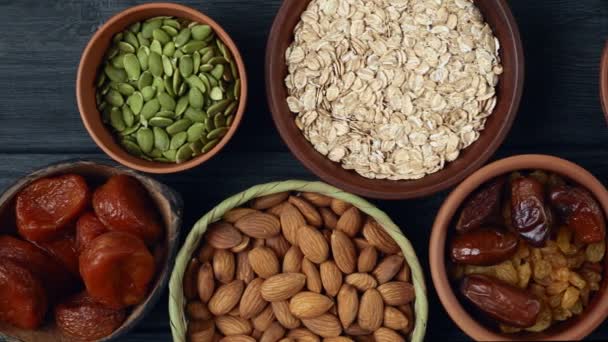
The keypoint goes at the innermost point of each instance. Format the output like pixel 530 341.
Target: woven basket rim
pixel 176 296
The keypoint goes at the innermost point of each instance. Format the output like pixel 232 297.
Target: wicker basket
pixel 177 302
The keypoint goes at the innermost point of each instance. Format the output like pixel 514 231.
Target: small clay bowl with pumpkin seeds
pixel 161 88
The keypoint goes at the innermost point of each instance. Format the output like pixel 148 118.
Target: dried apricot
pixel 581 212
pixel 88 228
pixel 122 204
pixel 23 300
pixel 48 205
pixel 63 249
pixel 117 268
pixel 82 318
pixel 482 207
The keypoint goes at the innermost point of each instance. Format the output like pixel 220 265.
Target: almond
pixel 309 305
pixel 355 330
pixel 343 251
pixel 348 305
pixel 226 298
pixel 241 246
pixel 371 310
pixel 263 320
pixel 269 201
pixel 237 338
pixel 282 286
pixel 313 278
pixel 274 333
pixel 339 207
pixel 338 339
pixel 309 212
pixel 201 331
pixel 223 235
pixel 205 253
pixel 405 273
pixel 244 271
pixel 387 335
pixel 313 244
pixel 303 335
pixel 205 282
pixel 330 219
pixel 326 325
pixel 279 245
pixel 395 319
pixel 361 281
pixel 276 210
pixel 236 214
pixel 331 277
pixel 379 238
pixel 361 243
pixel 224 265
pixel 292 263
pixel 264 262
pixel 291 221
pixel 252 302
pixel 367 259
pixel 256 334
pixel 397 293
pixel 259 225
pixel 350 222
pixel 198 310
pixel 317 199
pixel 230 325
pixel 388 268
pixel 284 316
pixel 190 284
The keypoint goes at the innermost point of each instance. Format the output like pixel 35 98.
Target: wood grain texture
pixel 39 123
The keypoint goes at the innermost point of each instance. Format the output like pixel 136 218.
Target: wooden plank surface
pixel 40 47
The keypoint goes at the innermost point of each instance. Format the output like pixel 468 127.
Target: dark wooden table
pixel 40 48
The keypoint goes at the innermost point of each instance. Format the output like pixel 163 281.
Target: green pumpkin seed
pixel 186 66
pixel 142 40
pixel 216 94
pixel 159 84
pixel 197 83
pixel 219 120
pixel 131 147
pixel 170 30
pixel 196 115
pixel 149 27
pixel 217 60
pixel 136 102
pixel 192 46
pixel 135 27
pixel 212 80
pixel 210 145
pixel 207 56
pixel 127 116
pixel 217 133
pixel 166 102
pixel 177 82
pixel 170 155
pixel 195 131
pixel 142 57
pixel 116 119
pixel 169 49
pixel 237 89
pixel 145 80
pixel 183 37
pixel 201 32
pixel 126 47
pixel 196 147
pixel 125 89
pixel 132 67
pixel 205 80
pixel 183 88
pixel 156 64
pixel 131 129
pixel 196 61
pixel 150 109
pixel 173 23
pixel 114 98
pixel 168 86
pixel 161 139
pixel 115 74
pixel 231 108
pixel 178 140
pixel 196 99
pixel 183 154
pixel 131 39
pixel 148 93
pixel 229 120
pixel 118 61
pixel 179 126
pixel 160 35
pixel 206 68
pixel 217 71
pixel 145 139
pixel 157 47
pixel 166 114
pixel 182 105
pixel 221 47
pixel 158 121
pixel 167 66
pixel 156 153
pixel 218 107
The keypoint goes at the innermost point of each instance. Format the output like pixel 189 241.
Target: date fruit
pixel 23 300
pixel 529 215
pixel 48 205
pixel 482 207
pixel 88 228
pixel 122 204
pixel 503 302
pixel 484 247
pixel 63 249
pixel 581 212
pixel 117 268
pixel 81 318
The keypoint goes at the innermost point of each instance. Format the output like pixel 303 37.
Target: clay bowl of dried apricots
pixel 301 261
pixel 517 251
pixel 85 251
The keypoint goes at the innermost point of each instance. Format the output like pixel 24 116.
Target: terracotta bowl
pixel 496 13
pixel 168 203
pixel 572 329
pixel 604 81
pixel 92 58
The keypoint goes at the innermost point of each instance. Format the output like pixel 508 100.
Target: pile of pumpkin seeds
pixel 169 89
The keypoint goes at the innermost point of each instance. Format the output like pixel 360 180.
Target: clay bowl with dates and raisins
pixel 517 251
pixel 61 246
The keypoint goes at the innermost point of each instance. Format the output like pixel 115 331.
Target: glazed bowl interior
pixel 169 206
pixel 92 59
pixel 574 328
pixel 509 90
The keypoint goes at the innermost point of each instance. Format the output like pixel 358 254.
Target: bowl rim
pixel 604 80
pixel 437 245
pixel 138 163
pixel 280 117
pixel 173 198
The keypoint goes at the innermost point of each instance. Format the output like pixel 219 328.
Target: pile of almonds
pixel 298 267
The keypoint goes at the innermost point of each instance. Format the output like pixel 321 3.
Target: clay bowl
pixel 496 13
pixel 604 81
pixel 168 203
pixel 572 329
pixel 92 58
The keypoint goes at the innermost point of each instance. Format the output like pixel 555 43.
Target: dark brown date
pixel 482 207
pixel 503 302
pixel 529 215
pixel 483 247
pixel 580 211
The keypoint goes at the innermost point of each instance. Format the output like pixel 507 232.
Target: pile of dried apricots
pixel 79 254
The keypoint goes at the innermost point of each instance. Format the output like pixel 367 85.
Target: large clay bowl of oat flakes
pixel 554 278
pixel 394 99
